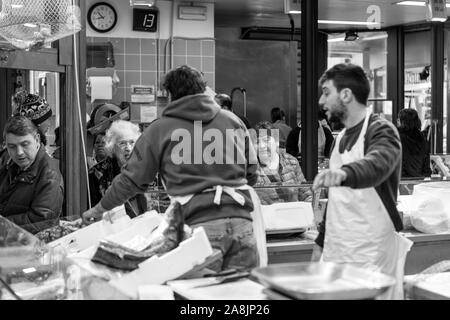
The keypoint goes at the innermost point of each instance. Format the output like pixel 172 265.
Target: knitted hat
pixel 33 107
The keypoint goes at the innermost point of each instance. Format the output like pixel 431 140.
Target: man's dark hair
pixel 184 81
pixel 276 114
pixel 19 126
pixel 409 119
pixel 348 76
pixel 224 101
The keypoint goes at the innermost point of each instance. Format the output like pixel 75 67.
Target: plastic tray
pixel 323 281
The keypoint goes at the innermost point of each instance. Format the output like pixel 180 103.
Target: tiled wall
pixel 136 60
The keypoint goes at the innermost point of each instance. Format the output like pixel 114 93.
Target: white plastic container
pixel 430 207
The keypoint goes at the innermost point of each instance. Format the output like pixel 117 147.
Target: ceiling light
pixel 30 25
pixel 380 36
pixel 416 3
pixel 336 39
pixel 411 3
pixel 147 3
pixel 17 6
pixel 347 22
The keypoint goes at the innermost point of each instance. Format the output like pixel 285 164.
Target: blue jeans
pixel 235 239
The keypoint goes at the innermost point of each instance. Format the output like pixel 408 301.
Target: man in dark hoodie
pixel 211 186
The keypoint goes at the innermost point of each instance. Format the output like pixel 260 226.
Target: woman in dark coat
pixel 415 149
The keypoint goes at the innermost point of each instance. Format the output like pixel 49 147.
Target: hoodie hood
pixel 197 107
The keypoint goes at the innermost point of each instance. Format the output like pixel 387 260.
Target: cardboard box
pixel 153 271
pixel 173 264
pixel 89 236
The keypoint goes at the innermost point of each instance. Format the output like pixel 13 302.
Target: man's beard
pixel 338 112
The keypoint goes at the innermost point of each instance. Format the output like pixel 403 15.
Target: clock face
pixel 102 17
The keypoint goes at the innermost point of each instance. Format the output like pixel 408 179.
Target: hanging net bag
pixel 31 24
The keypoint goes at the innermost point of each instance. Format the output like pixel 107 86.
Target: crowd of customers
pixel 31 185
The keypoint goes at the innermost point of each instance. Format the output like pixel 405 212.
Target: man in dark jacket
pixel 186 146
pixel 31 192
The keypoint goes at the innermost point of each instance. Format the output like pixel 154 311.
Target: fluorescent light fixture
pixel 416 3
pixel 29 270
pixel 17 6
pixel 380 36
pixel 365 23
pixel 336 39
pixel 148 3
pixel 295 12
pixel 439 19
pixel 411 3
pixel 30 25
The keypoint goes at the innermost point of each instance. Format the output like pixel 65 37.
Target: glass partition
pixel 418 76
pixel 369 51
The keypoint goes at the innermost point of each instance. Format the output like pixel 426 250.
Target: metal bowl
pixel 323 281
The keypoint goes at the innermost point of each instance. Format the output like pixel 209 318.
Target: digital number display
pixel 145 19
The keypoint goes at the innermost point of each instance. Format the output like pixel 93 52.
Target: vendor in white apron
pixel 201 168
pixel 362 223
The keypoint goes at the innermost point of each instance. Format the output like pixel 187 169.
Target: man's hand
pixel 94 214
pixel 317 253
pixel 329 178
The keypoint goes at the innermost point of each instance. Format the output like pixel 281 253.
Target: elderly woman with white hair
pixel 119 143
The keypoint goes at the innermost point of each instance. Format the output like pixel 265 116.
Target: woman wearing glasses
pixel 119 143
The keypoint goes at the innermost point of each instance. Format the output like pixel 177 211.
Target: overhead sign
pixel 436 10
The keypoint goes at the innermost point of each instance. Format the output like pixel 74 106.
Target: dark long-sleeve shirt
pixel 380 168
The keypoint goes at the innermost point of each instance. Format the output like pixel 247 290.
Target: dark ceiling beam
pixel 309 88
pixel 396 70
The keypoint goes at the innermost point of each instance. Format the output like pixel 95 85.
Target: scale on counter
pixel 288 217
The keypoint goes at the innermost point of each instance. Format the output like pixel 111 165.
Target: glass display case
pixel 31 270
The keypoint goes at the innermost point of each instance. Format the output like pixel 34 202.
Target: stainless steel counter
pixel 427 250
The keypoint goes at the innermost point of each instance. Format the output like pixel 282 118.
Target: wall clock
pixel 102 17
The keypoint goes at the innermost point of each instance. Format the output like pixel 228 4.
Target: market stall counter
pixel 428 248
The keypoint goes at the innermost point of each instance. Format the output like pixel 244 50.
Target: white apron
pixel 257 217
pixel 358 227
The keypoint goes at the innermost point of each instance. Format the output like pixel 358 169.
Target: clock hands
pixel 100 16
